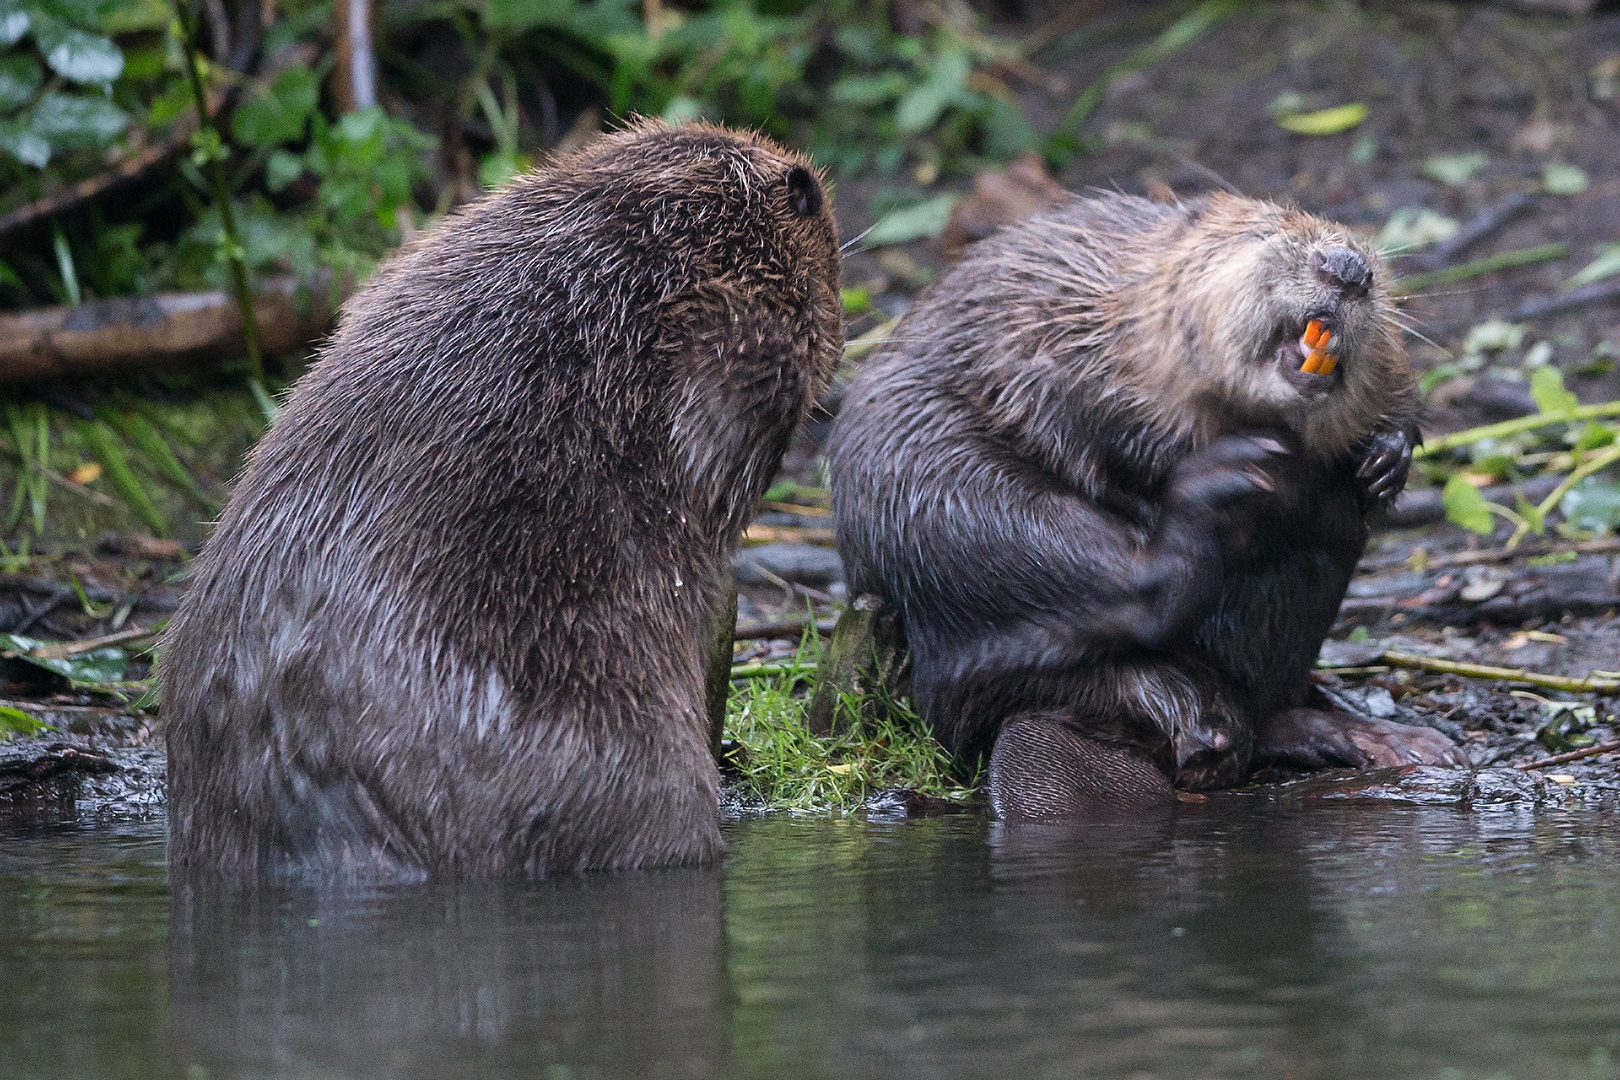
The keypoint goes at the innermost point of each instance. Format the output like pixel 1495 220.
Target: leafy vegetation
pixel 779 763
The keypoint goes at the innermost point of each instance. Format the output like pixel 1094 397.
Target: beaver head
pixel 1278 318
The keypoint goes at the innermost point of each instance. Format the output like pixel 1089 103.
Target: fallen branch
pixel 786 630
pixel 1573 755
pixel 1485 671
pixel 1539 307
pixel 154 331
pixel 1490 264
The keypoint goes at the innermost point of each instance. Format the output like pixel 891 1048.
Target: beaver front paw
pixel 1384 466
pixel 1313 739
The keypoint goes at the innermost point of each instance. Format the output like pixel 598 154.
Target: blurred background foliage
pixel 108 184
pixel 468 94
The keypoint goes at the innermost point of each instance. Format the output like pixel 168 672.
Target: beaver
pixel 455 619
pixel 1114 474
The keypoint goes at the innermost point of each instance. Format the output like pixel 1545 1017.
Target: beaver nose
pixel 1346 272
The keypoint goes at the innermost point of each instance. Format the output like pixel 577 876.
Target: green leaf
pixel 1557 178
pixel 925 219
pixel 97 667
pixel 920 109
pixel 1455 170
pixel 1324 121
pixel 1412 227
pixel 1007 131
pixel 280 113
pixel 19 78
pixel 857 300
pixel 1607 264
pixel 864 91
pixel 1531 513
pixel 282 169
pixel 13 722
pixel 13 25
pixel 1593 505
pixel 1466 506
pixel 24 145
pixel 1494 335
pixel 76 121
pixel 1547 388
pixel 1592 436
pixel 78 56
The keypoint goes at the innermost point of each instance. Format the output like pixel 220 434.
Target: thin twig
pixel 1531 551
pixel 768 671
pixel 869 341
pixel 1485 671
pixel 1490 264
pixel 1603 460
pixel 57 478
pixel 1514 427
pixel 792 534
pixel 1573 755
pixel 236 255
pixel 787 630
pixel 58 650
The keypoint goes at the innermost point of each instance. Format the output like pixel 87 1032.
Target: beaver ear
pixel 803 193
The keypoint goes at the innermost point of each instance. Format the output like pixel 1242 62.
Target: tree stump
pixel 867 661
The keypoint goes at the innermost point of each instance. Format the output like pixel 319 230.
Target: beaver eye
pixel 803 193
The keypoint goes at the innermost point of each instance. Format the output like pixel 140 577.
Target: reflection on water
pixel 1233 940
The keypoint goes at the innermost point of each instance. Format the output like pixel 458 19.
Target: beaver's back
pixel 453 619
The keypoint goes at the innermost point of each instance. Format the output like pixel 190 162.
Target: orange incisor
pixel 1319 361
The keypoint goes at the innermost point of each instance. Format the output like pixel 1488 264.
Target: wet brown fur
pixel 455 619
pixel 1049 471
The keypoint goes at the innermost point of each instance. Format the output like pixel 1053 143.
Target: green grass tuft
pixel 788 768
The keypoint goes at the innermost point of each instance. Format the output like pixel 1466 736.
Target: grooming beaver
pixel 456 618
pixel 1114 473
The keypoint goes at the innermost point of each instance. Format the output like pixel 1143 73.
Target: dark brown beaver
pixel 456 617
pixel 1115 515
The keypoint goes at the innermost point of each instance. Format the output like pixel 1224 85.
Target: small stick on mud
pixel 1490 264
pixel 792 628
pixel 1485 671
pixel 58 650
pixel 1528 551
pixel 1573 755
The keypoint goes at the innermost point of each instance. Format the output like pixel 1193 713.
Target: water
pixel 1235 940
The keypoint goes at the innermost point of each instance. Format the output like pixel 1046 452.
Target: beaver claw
pixel 1384 466
pixel 1312 739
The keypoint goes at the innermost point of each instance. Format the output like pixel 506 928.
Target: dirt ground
pixel 1437 79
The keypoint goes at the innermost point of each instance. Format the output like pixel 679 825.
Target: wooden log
pixel 867 659
pixel 133 332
